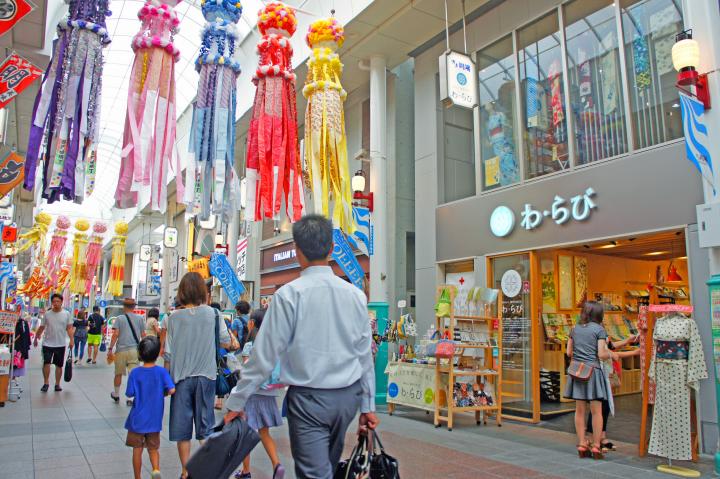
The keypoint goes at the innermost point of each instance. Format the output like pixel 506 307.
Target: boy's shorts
pixel 149 440
pixel 94 339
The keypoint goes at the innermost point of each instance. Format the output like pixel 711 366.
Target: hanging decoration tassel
pixel 37 233
pixel 66 117
pixel 273 160
pixel 94 254
pixel 325 142
pixel 56 252
pixel 210 166
pixel 117 263
pixel 34 285
pixel 79 257
pixel 150 122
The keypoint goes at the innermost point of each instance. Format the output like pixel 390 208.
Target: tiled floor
pixel 79 433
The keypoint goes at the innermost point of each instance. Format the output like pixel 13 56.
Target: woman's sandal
pixel 607 446
pixel 583 451
pixel 596 452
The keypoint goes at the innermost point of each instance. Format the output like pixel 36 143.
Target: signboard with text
pixel 412 385
pixel 458 80
pixel 16 74
pixel 7 322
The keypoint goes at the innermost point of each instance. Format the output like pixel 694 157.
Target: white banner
pixel 242 249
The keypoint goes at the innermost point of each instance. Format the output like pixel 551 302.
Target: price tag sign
pixel 7 322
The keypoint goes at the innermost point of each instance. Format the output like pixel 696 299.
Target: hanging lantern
pixel 65 126
pixel 325 141
pixel 117 263
pixel 273 160
pixel 150 122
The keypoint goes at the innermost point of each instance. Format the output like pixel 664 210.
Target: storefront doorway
pixel 623 274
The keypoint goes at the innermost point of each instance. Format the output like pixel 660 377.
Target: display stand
pixel 7 336
pixel 467 363
pixel 643 444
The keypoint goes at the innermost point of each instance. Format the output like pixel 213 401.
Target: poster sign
pixel 16 74
pixel 12 172
pixel 412 385
pixel 7 322
pixel 199 266
pixel 343 255
pixel 11 12
pixel 221 269
pixel 242 250
pixel 458 80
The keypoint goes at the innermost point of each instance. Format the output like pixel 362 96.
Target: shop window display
pixel 595 87
pixel 545 133
pixel 649 29
pixel 498 148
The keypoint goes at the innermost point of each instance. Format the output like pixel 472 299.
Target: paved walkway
pixel 79 433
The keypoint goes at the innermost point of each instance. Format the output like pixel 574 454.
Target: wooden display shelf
pixel 489 366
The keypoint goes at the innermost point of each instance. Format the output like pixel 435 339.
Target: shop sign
pixel 412 385
pixel 458 80
pixel 241 250
pixel 561 211
pixel 284 255
pixel 170 237
pixel 16 74
pixel 11 12
pixel 199 266
pixel 511 283
pixel 12 172
pixel 7 322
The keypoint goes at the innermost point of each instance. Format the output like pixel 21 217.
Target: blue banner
pixel 221 269
pixel 696 137
pixel 362 238
pixel 345 258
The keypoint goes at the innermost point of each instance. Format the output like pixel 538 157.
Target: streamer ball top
pixel 62 222
pixel 43 218
pixel 277 18
pixel 325 30
pixel 121 228
pixel 99 228
pixel 82 225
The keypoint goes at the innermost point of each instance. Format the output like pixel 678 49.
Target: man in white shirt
pixel 318 328
pixel 56 324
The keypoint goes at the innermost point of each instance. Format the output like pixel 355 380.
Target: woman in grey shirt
pixel 190 353
pixel 588 345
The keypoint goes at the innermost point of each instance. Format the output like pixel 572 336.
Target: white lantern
pixel 686 54
pixel 358 182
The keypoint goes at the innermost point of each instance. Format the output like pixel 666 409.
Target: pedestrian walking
pixel 240 322
pixel 190 356
pixel 317 328
pixel 262 413
pixel 148 384
pixel 152 324
pixel 96 321
pixel 128 329
pixel 80 324
pixel 56 324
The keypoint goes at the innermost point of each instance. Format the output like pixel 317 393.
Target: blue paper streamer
pixel 221 269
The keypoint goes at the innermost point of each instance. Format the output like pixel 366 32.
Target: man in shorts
pixel 56 324
pixel 128 330
pixel 94 334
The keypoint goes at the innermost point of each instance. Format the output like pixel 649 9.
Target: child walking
pixel 262 413
pixel 148 385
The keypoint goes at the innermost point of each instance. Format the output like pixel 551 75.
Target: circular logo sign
pixel 462 79
pixel 393 390
pixel 429 396
pixel 8 9
pixel 511 283
pixel 502 221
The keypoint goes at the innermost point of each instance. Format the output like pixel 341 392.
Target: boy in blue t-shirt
pixel 149 385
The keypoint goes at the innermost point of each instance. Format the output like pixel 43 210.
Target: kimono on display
pixel 677 366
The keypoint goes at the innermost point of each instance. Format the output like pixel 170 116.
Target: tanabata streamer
pixel 79 257
pixel 150 122
pixel 273 162
pixel 56 252
pixel 37 233
pixel 325 142
pixel 117 263
pixel 212 140
pixel 66 117
pixel 94 254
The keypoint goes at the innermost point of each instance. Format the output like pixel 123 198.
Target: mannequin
pixel 677 366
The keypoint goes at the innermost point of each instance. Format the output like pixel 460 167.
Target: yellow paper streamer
pixel 36 234
pixel 79 258
pixel 117 263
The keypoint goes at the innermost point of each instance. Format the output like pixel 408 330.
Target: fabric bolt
pixel 675 379
pixel 150 123
pixel 56 323
pixel 64 131
pixel 317 328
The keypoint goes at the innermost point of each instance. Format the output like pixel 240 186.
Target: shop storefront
pixel 279 266
pixel 570 177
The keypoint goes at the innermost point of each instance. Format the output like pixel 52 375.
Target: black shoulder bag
pixel 225 380
pixel 132 329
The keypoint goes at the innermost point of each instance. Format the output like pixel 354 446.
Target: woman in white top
pixel 152 324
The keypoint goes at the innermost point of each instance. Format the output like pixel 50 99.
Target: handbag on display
pixel 409 327
pixel 382 464
pixel 18 360
pixel 68 368
pixel 357 466
pixel 442 307
pixel 580 371
pixel 431 346
pixel 445 349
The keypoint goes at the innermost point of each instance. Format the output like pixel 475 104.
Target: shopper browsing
pixel 148 384
pixel 127 331
pixel 94 337
pixel 317 328
pixel 56 324
pixel 262 413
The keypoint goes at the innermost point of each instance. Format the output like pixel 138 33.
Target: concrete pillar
pixel 379 284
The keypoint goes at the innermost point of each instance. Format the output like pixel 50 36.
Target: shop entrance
pixel 623 274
